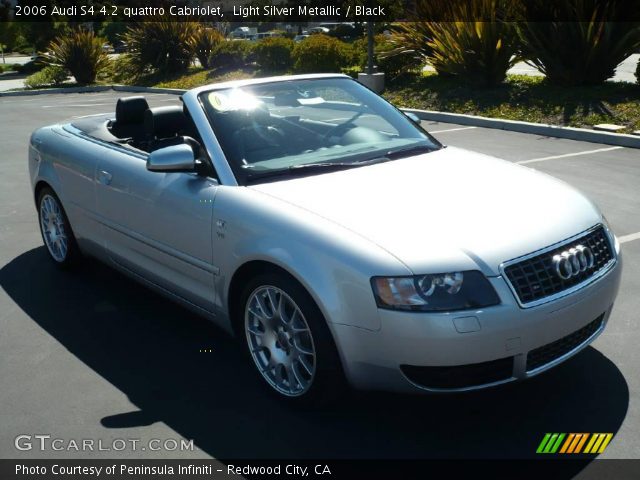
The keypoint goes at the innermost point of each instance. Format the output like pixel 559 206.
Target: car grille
pixel 461 376
pixel 552 351
pixel 535 278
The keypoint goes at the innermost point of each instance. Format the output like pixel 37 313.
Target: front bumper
pixel 493 349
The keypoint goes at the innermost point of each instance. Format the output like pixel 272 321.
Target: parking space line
pixel 75 105
pixel 566 155
pixel 629 238
pixel 451 129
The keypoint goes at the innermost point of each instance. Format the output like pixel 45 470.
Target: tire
pixel 56 231
pixel 290 346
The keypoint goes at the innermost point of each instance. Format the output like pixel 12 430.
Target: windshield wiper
pixel 337 165
pixel 312 167
pixel 408 151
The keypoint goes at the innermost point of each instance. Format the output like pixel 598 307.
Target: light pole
pixel 371 78
pixel 370 48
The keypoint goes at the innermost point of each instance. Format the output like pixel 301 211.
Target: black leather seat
pixel 129 121
pixel 166 126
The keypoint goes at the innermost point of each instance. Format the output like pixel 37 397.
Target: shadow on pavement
pixel 149 349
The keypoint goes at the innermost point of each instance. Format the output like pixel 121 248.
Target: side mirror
pixel 176 158
pixel 413 117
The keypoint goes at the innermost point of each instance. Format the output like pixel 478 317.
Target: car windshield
pixel 288 128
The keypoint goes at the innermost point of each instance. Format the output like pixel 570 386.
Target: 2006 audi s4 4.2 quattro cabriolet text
pixel 338 240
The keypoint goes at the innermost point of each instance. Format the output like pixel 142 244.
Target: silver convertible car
pixel 339 241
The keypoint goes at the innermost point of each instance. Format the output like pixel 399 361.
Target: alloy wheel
pixel 280 341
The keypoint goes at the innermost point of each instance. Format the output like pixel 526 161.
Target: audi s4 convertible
pixel 336 238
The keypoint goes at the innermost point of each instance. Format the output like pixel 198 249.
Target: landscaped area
pixel 469 60
pixel 525 98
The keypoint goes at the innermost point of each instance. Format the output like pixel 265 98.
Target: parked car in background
pixel 120 47
pixel 318 30
pixel 335 237
pixel 244 33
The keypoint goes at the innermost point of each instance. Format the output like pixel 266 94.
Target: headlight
pixel 435 292
pixel 612 237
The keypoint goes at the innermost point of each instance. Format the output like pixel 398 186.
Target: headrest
pixel 164 122
pixel 131 110
pixel 260 114
pixel 288 99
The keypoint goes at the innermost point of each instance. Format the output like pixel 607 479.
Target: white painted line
pixel 451 129
pixel 629 238
pixel 566 155
pixel 75 105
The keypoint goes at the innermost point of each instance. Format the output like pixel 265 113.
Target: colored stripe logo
pixel 593 443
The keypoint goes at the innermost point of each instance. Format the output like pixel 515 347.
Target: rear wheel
pixel 56 230
pixel 289 342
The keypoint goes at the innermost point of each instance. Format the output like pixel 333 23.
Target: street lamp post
pixel 371 78
pixel 370 48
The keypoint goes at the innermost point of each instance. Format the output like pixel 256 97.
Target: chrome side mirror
pixel 176 158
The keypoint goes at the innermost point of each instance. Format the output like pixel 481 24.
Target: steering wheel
pixel 335 131
pixel 271 134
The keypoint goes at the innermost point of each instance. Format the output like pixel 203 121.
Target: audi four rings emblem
pixel 573 262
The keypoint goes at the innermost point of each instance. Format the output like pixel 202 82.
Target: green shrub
pixel 165 46
pixel 320 53
pixel 351 71
pixel 80 53
pixel 13 67
pixel 231 54
pixel 479 52
pixel 274 54
pixel 120 70
pixel 205 40
pixel 357 51
pixel 49 75
pixel 395 61
pixel 578 53
pixel 390 57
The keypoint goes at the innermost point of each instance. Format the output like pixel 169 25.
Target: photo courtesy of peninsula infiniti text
pixel 332 235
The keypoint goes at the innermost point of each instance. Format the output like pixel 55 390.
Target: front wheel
pixel 289 341
pixel 56 230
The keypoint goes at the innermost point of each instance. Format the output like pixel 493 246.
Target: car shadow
pixel 150 349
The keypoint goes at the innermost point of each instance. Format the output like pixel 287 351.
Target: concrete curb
pixel 28 93
pixel 571 133
pixel 93 89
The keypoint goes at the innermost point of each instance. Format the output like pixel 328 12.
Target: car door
pixel 159 225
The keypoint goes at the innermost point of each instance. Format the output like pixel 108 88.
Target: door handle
pixel 104 177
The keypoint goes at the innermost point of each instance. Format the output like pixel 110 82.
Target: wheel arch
pixel 243 274
pixel 251 268
pixel 40 185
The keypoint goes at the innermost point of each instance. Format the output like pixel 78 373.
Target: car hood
pixel 447 209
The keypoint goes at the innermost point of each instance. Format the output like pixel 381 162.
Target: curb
pixel 28 93
pixel 570 133
pixel 93 89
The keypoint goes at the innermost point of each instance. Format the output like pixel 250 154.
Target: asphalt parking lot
pixel 93 355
